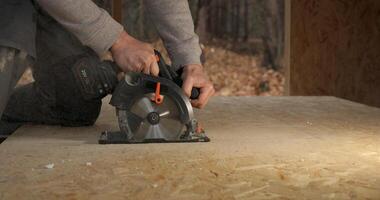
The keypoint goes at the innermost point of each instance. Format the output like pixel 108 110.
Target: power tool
pixel 149 109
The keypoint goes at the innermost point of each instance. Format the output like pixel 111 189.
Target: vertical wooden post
pixel 335 49
pixel 117 13
pixel 287 55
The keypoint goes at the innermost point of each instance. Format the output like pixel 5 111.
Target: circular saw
pixel 149 109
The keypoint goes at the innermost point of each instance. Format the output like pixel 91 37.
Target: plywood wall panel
pixel 335 49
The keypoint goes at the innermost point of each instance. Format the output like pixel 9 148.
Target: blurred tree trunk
pixel 202 20
pixel 246 20
pixel 274 32
pixel 237 19
pixel 220 18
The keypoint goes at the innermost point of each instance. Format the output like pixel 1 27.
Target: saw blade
pixel 148 120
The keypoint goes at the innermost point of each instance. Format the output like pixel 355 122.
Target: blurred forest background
pixel 242 42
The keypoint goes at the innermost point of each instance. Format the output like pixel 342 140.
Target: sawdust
pixel 49 166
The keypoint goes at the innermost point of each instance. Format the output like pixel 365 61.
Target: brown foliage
pixel 235 74
pixel 238 74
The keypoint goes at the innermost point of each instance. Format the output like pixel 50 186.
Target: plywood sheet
pixel 262 147
pixel 335 49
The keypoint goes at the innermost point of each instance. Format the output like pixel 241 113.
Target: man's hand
pixel 133 55
pixel 194 76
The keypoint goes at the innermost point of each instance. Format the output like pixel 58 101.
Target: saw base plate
pixel 121 138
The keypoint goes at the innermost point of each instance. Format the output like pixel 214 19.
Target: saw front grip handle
pixel 195 92
pixel 167 72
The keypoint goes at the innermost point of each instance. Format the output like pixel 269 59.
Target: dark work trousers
pixel 30 37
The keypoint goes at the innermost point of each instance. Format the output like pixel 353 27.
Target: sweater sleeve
pixel 176 28
pixel 92 25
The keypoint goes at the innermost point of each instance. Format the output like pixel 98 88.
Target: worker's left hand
pixel 194 76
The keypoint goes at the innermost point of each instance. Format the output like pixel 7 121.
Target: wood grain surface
pixel 261 148
pixel 335 49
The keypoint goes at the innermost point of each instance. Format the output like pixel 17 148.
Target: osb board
pixel 335 49
pixel 261 147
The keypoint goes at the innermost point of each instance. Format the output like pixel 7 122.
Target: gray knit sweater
pixel 95 28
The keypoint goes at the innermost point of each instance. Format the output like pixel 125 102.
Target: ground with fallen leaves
pixel 234 74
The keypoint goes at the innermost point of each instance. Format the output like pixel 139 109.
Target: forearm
pixel 93 26
pixel 175 26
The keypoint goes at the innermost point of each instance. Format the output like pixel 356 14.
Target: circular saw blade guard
pixel 143 120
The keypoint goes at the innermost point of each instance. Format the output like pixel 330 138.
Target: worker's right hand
pixel 133 55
